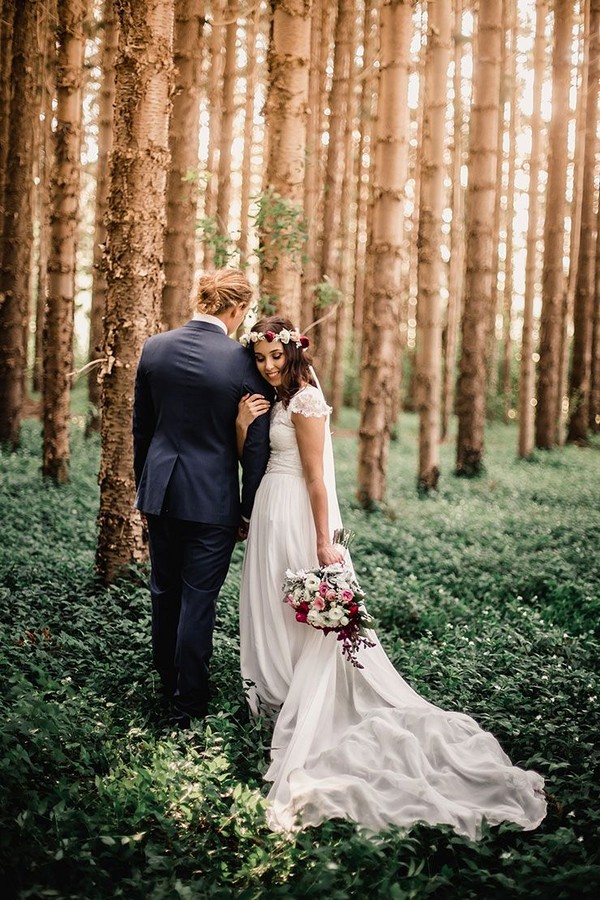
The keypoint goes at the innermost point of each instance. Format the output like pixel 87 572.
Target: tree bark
pixel 499 217
pixel 252 26
pixel 583 312
pixel 344 261
pixel 511 75
pixel 568 302
pixel 321 22
pixel 334 174
pixel 594 417
pixel 135 226
pixel 430 269
pixel 215 79
pixel 285 116
pixel 17 230
pixel 105 138
pixel 379 364
pixel 457 234
pixel 45 163
pixel 527 368
pixel 554 229
pixel 363 178
pixel 6 49
pixel 64 186
pixel 227 117
pixel 182 188
pixel 480 204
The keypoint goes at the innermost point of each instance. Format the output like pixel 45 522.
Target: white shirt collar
pixel 213 320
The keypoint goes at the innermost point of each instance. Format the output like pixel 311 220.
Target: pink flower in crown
pixel 318 603
pixel 323 588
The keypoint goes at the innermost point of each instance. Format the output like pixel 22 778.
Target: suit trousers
pixel 189 565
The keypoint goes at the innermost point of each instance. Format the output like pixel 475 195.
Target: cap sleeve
pixel 309 402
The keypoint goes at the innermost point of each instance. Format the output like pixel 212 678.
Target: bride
pixel 348 742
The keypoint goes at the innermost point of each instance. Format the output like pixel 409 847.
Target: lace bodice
pixel 285 457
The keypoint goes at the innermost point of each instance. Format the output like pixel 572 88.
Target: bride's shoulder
pixel 309 402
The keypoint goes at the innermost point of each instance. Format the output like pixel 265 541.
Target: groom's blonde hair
pixel 221 290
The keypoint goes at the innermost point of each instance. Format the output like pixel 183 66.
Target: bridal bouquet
pixel 330 598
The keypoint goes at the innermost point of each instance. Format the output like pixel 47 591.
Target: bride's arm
pixel 250 407
pixel 310 434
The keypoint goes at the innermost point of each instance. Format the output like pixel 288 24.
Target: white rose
pixel 335 614
pixel 312 582
pixel 344 620
pixel 284 336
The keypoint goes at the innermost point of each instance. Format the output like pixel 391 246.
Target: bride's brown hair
pixel 296 371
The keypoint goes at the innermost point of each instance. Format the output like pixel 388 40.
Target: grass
pixel 486 599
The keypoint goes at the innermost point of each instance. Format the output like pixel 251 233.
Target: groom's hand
pixel 242 532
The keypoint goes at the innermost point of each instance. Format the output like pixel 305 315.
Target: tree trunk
pixel 568 302
pixel 252 26
pixel 64 187
pixel 481 190
pixel 583 313
pixel 363 178
pixel 215 79
pixel 182 189
pixel 343 262
pixel 227 117
pixel 457 235
pixel 594 418
pixel 135 226
pixel 334 174
pixel 321 21
pixel 105 138
pixel 511 73
pixel 286 110
pixel 6 48
pixel 379 364
pixel 554 230
pixel 47 81
pixel 17 230
pixel 527 379
pixel 430 266
pixel 499 217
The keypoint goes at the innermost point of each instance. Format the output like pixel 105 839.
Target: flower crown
pixel 284 336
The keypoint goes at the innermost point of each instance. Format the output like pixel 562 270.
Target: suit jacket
pixel 188 385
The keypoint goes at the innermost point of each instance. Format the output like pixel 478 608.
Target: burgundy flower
pixel 269 336
pixel 301 617
pixel 304 342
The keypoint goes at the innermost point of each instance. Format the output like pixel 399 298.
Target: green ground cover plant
pixel 486 599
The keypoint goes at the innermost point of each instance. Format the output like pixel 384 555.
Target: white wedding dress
pixel 352 743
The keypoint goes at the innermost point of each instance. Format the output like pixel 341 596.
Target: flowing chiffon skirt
pixel 353 743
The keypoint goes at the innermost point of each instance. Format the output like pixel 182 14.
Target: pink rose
pixel 323 588
pixel 347 595
pixel 330 595
pixel 318 603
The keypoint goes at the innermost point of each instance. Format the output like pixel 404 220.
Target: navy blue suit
pixel 188 386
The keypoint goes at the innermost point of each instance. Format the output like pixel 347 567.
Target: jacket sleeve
pixel 256 449
pixel 144 420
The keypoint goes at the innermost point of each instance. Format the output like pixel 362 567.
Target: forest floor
pixel 485 597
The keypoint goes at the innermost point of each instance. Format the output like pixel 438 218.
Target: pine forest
pixel 415 184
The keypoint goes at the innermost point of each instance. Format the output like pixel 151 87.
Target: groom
pixel 188 385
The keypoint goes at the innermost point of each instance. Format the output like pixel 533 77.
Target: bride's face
pixel 270 360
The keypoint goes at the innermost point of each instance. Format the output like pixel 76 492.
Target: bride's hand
pixel 328 555
pixel 250 407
